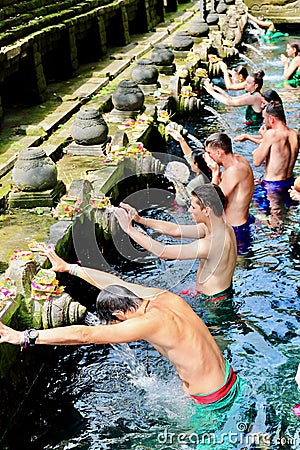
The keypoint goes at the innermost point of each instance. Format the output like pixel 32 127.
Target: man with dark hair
pixel 159 317
pixel 279 147
pixel 214 244
pixel 236 181
pixel 278 152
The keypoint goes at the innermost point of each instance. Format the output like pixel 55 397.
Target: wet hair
pixel 275 109
pixel 212 196
pixel 271 96
pixel 114 299
pixel 219 140
pixel 296 46
pixel 197 157
pixel 258 79
pixel 242 70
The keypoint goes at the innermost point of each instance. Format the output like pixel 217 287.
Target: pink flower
pixel 296 410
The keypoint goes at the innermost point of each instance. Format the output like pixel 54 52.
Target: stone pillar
pixel 73 49
pixel 125 24
pixel 1 110
pixel 102 34
pixel 38 82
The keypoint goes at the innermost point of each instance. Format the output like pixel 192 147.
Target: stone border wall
pixel 43 40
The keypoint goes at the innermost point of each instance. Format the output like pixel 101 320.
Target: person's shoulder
pixel 241 162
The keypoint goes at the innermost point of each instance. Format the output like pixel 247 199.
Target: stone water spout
pixel 56 311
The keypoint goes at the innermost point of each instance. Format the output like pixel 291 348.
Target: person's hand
pixel 208 86
pixel 58 264
pixel 174 133
pixel 131 211
pixel 295 195
pixel 211 163
pixel 283 59
pixel 124 219
pixel 263 129
pixel 9 335
pixel 241 138
pixel 223 66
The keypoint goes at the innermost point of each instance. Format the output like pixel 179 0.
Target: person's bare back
pixel 283 152
pixel 238 186
pixel 185 333
pixel 279 147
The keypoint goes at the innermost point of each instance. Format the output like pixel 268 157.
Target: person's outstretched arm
pixel 196 249
pixel 248 137
pixel 127 331
pixel 96 277
pixel 241 100
pixel 172 229
pixel 228 80
pixel 186 149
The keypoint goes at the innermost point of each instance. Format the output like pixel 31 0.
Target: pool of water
pixel 129 397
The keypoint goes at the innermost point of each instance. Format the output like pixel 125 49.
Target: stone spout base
pixel 121 116
pixel 27 200
pixel 87 150
pixel 148 89
pixel 167 70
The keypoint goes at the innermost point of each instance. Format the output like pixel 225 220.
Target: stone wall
pixel 280 11
pixel 45 40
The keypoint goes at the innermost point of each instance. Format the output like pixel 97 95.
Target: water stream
pixel 102 397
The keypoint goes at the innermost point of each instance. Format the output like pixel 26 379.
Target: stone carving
pixel 89 127
pixel 34 171
pixel 128 96
pixel 144 72
pixel 182 41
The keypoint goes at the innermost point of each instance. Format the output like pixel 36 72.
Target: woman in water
pixel 291 71
pixel 266 97
pixel 196 162
pixel 271 34
pixel 237 81
pixel 252 99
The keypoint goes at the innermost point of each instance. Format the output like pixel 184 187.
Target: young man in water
pixel 278 152
pixel 214 244
pixel 279 147
pixel 236 181
pixel 134 312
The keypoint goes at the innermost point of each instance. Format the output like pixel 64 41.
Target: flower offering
pixel 100 201
pixel 67 207
pixel 44 285
pixel 22 255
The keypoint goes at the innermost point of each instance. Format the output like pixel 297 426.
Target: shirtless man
pixel 214 244
pixel 278 152
pixel 279 147
pixel 236 181
pixel 135 312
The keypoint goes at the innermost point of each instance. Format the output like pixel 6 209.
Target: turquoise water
pixel 112 398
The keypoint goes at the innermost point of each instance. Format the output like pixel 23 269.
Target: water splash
pixel 254 49
pixel 249 61
pixel 196 141
pixel 225 124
